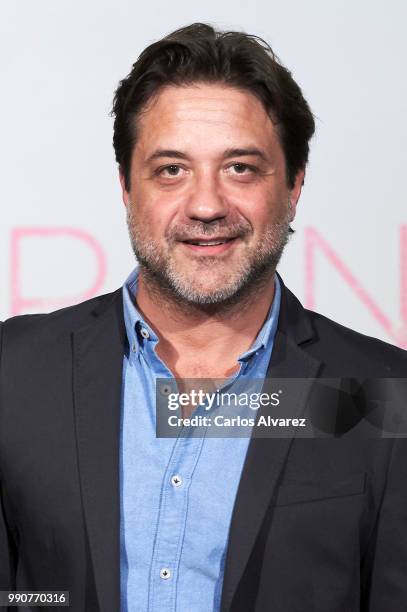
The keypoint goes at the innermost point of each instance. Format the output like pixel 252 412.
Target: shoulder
pixel 342 351
pixel 38 328
pixel 345 347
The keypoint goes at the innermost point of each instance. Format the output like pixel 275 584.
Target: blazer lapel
pixel 265 456
pixel 98 356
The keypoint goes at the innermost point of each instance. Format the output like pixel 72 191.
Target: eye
pixel 170 170
pixel 243 169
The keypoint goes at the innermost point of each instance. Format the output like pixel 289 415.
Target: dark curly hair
pixel 199 53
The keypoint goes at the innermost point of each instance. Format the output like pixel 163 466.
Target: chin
pixel 215 293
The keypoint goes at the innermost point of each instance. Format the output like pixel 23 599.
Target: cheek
pixel 154 215
pixel 259 212
pixel 259 204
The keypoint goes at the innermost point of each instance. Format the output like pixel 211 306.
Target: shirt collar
pixel 133 318
pixel 137 329
pixel 268 331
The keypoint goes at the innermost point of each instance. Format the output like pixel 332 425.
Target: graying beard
pixel 164 282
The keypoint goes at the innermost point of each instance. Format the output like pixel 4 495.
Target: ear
pixel 125 193
pixel 295 192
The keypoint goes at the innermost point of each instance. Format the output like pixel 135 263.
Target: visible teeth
pixel 201 243
pixel 210 243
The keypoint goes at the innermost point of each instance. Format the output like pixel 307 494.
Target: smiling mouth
pixel 209 242
pixel 210 246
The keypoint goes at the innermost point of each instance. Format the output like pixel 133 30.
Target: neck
pixel 215 334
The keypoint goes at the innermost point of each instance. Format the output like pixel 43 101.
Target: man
pixel 211 136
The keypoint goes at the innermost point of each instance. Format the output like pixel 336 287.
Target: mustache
pixel 191 231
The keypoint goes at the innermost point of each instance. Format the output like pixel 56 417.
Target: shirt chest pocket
pixel 303 492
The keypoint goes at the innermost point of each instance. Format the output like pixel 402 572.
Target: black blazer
pixel 318 524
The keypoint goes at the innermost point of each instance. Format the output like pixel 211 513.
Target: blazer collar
pixel 294 320
pixel 98 351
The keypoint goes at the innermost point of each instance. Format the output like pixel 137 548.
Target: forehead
pixel 217 111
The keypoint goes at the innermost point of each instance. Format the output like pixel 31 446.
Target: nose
pixel 206 202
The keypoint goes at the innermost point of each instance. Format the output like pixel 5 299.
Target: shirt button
pixel 165 573
pixel 165 389
pixel 176 480
pixel 134 347
pixel 144 332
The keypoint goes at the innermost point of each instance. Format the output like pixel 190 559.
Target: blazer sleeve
pixel 386 583
pixel 7 551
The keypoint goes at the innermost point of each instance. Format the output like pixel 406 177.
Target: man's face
pixel 208 207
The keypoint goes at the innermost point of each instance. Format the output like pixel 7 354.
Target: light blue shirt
pixel 176 494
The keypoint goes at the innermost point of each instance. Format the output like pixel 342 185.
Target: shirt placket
pixel 171 523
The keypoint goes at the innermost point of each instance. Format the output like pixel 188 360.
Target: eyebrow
pixel 237 152
pixel 252 151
